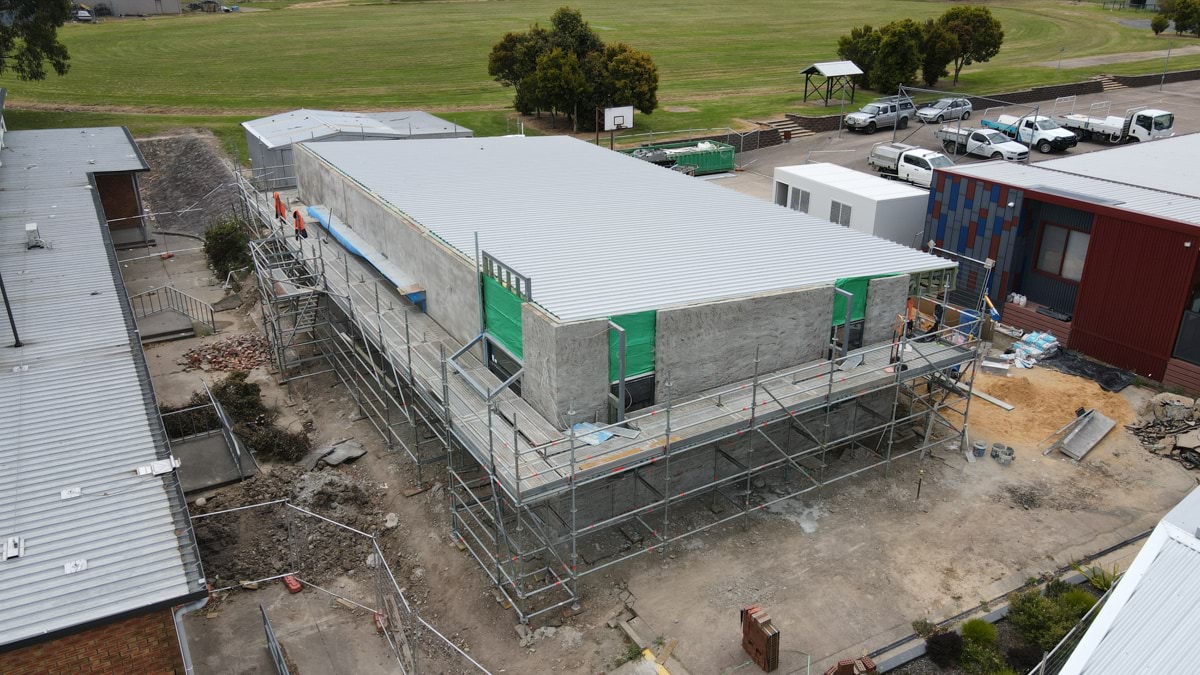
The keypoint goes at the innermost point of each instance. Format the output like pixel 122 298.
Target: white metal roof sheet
pixel 1168 164
pixel 834 68
pixel 76 408
pixel 306 125
pixel 867 185
pixel 1039 177
pixel 603 234
pixel 1148 623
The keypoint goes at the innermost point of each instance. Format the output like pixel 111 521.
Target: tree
pixel 633 78
pixel 860 47
pixel 1159 24
pixel 1187 16
pixel 29 37
pixel 978 35
pixel 512 63
pixel 938 47
pixel 898 57
pixel 571 33
pixel 569 69
pixel 560 82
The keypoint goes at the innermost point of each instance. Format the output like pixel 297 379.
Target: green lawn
pixel 722 61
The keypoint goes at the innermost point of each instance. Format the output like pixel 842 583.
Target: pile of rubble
pixel 267 540
pixel 1172 430
pixel 236 352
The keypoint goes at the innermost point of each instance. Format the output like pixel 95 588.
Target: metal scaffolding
pixel 540 509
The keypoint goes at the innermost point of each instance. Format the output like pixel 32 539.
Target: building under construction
pixel 607 356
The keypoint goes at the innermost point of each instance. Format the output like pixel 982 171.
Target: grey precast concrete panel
pixel 886 297
pixel 447 276
pixel 709 345
pixel 566 367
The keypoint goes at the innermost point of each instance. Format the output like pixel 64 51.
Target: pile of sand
pixel 1044 401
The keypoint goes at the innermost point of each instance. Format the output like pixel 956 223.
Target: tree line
pixel 1185 14
pixel 567 69
pixel 892 55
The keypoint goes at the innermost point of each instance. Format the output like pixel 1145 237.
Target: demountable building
pixel 872 205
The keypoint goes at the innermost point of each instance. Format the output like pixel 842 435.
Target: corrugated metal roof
pixel 603 234
pixel 1168 164
pixel 76 407
pixel 1038 177
pixel 833 68
pixel 1149 622
pixel 865 184
pixel 306 125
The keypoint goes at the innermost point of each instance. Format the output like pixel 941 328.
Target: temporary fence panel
pixel 502 315
pixel 857 286
pixel 639 344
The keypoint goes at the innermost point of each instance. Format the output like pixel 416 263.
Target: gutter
pixel 181 634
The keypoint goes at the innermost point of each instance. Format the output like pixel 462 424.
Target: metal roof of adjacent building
pixel 867 185
pixel 77 411
pixel 1168 164
pixel 286 128
pixel 1038 177
pixel 833 69
pixel 603 234
pixel 1149 622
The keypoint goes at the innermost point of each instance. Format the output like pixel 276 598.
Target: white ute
pixel 909 163
pixel 981 143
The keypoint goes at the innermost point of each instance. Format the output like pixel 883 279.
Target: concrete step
pixel 786 124
pixel 1109 84
pixel 164 326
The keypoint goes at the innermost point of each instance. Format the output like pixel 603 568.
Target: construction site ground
pixel 842 572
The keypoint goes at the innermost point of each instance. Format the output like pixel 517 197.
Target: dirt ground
pixel 841 572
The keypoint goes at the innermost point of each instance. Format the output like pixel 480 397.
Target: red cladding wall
pixel 1133 292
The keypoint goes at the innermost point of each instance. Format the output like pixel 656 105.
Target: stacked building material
pixel 760 638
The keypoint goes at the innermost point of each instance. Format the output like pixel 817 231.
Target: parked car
pixel 946 109
pixel 885 112
pixel 84 16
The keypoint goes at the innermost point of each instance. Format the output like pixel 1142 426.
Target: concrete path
pixel 1125 57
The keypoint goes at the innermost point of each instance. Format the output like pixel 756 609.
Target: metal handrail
pixel 166 298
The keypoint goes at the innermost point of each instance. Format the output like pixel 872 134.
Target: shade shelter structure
pixel 824 80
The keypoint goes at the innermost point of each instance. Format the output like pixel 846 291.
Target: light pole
pixel 1060 53
pixel 1166 64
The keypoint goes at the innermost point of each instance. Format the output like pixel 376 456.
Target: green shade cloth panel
pixel 502 316
pixel 639 345
pixel 857 286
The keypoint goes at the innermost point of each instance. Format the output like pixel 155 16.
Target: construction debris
pixel 1174 438
pixel 236 352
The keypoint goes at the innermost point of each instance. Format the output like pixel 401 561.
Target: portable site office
pixel 570 236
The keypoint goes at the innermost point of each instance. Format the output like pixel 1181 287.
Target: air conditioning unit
pixel 33 238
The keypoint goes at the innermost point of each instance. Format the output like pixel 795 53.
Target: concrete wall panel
pixel 447 276
pixel 713 344
pixel 566 367
pixel 886 297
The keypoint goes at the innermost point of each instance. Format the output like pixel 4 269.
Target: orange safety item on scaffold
pixel 280 210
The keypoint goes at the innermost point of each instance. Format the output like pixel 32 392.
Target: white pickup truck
pixel 1138 124
pixel 908 163
pixel 981 142
pixel 1035 131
